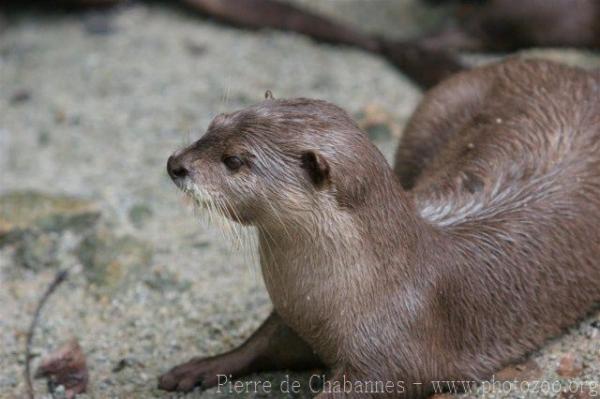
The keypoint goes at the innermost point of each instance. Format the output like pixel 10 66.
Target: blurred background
pixel 92 103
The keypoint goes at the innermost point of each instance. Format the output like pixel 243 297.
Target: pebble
pixel 520 372
pixel 20 96
pixel 570 366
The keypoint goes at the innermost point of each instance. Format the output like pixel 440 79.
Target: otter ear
pixel 316 166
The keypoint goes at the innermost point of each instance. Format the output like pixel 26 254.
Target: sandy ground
pixel 91 107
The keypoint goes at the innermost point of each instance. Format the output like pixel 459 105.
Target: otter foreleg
pixel 274 346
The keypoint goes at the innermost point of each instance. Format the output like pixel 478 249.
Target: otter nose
pixel 176 169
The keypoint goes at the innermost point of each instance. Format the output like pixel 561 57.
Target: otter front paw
pixel 201 372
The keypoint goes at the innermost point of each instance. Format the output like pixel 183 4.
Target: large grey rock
pixel 112 261
pixel 42 226
pixel 31 212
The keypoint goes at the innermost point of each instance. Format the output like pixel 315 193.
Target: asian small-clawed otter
pixel 482 243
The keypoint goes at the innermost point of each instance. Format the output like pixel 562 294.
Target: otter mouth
pixel 211 202
pixel 206 201
pixel 181 175
pixel 201 197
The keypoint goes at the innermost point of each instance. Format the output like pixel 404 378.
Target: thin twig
pixel 58 279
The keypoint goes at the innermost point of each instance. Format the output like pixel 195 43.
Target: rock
pixel 31 212
pixel 570 366
pixel 58 392
pixel 113 261
pixel 194 48
pixel 520 372
pixel 581 392
pixel 37 225
pixel 378 123
pixel 379 132
pixel 20 96
pixel 44 138
pixel 60 116
pixel 163 280
pixel 591 332
pixel 65 367
pixel 127 362
pixel 139 214
pixel 37 251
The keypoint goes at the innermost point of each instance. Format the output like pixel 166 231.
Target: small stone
pixel 201 244
pixel 121 364
pixel 580 392
pixel 378 123
pixel 127 362
pixel 570 366
pixel 139 214
pixel 113 261
pixel 163 280
pixel 66 367
pixel 194 48
pixel 37 251
pixel 60 116
pixel 592 333
pixel 379 132
pixel 44 138
pixel 20 96
pixel 58 392
pixel 520 372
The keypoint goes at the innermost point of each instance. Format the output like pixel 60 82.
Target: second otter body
pixel 484 246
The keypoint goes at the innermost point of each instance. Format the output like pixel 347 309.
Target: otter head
pixel 281 161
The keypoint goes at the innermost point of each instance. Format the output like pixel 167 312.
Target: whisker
pixel 215 208
pixel 245 239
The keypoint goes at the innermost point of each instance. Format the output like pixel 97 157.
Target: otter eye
pixel 232 163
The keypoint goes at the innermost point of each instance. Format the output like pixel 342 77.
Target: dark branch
pixel 58 279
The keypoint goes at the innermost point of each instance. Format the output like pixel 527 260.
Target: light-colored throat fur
pixel 340 261
pixel 299 266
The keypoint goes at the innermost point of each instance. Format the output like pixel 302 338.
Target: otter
pixel 482 243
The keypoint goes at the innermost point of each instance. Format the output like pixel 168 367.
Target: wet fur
pixel 489 249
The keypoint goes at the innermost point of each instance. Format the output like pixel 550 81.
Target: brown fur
pixel 492 251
